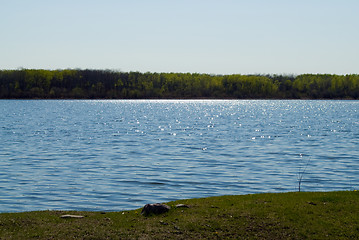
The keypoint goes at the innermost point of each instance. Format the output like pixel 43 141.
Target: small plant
pixel 301 172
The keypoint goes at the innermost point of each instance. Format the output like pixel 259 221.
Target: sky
pixel 197 36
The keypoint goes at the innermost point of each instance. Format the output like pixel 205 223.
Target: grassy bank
pixel 304 215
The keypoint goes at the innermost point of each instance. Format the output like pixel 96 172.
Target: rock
pixel 156 208
pixel 71 216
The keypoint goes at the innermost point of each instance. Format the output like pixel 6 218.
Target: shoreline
pixel 294 215
pixel 185 99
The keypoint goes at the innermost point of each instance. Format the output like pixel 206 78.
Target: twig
pixel 301 174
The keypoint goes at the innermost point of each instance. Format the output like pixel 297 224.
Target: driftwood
pixel 71 216
pixel 182 206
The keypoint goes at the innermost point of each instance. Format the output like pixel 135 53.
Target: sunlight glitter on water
pixel 121 154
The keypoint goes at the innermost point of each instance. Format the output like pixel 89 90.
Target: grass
pixel 295 215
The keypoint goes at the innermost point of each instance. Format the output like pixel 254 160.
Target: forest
pixel 108 84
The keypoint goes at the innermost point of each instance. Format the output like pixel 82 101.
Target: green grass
pixel 304 215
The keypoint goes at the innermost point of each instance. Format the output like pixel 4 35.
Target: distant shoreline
pixel 184 99
pixel 106 84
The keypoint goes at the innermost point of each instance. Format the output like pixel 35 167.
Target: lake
pixel 111 155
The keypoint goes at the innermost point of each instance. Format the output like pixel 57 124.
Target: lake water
pixel 108 155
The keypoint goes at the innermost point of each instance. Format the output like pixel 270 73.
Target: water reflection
pixel 114 155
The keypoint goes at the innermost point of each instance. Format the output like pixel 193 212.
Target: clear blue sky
pixel 206 36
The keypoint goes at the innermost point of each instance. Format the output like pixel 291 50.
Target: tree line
pixel 108 84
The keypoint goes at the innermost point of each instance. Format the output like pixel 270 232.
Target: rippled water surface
pixel 115 155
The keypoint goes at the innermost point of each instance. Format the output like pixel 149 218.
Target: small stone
pixel 156 208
